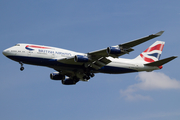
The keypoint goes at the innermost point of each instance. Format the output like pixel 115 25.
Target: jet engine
pixel 113 50
pixel 70 81
pixel 57 76
pixel 81 58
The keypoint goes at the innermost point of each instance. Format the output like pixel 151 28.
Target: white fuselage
pixel 49 56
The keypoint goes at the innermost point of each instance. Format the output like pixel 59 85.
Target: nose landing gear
pixel 21 68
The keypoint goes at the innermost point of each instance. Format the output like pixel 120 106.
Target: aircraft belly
pixel 118 67
pixel 115 70
pixel 42 62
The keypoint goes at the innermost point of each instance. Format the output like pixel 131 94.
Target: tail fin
pixel 152 53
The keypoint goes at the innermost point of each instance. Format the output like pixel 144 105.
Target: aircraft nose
pixel 5 52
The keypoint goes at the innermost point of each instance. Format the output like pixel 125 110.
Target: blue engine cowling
pixel 69 81
pixel 57 76
pixel 80 58
pixel 113 50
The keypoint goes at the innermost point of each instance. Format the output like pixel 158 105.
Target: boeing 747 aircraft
pixel 72 66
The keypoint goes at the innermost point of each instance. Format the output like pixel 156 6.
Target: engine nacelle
pixel 80 58
pixel 113 50
pixel 69 81
pixel 57 76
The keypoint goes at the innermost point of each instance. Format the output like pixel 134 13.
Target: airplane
pixel 73 67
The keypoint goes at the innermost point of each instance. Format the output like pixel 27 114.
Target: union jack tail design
pixel 152 53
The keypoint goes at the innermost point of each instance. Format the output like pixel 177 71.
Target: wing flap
pixel 97 64
pixel 161 62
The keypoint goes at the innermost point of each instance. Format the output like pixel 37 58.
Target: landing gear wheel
pixel 92 74
pixel 86 77
pixel 22 68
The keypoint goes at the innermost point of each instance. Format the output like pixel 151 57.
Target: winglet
pixel 159 33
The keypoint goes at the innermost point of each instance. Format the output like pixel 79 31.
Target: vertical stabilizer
pixel 152 53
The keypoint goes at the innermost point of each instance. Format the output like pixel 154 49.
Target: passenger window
pixel 13 51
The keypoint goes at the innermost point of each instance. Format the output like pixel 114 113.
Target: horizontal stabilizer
pixel 161 62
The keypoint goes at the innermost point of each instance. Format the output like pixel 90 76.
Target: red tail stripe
pixel 157 47
pixel 162 47
pixel 147 59
pixel 146 50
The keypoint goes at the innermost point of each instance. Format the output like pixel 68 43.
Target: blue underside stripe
pixel 55 63
pixel 115 70
pixel 37 61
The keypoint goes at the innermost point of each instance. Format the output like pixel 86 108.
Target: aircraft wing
pixel 68 60
pixel 94 63
pixel 141 40
pixel 126 47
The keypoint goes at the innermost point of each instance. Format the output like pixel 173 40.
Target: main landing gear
pixel 21 68
pixel 88 75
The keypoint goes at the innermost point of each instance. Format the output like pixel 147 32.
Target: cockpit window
pixel 17 45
